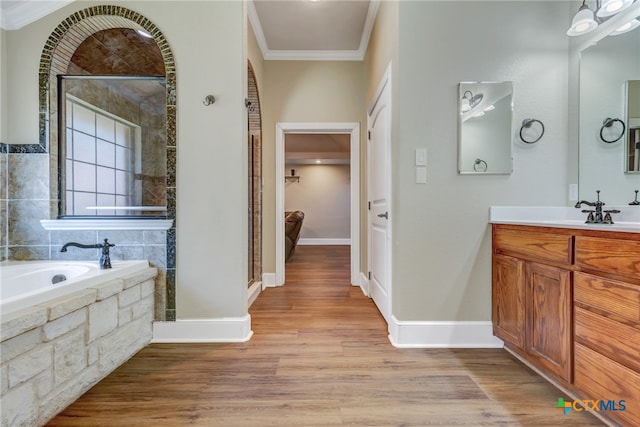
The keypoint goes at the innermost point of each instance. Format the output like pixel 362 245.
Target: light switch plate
pixel 421 157
pixel 421 175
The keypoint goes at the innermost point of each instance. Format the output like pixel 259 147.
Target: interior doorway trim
pixel 351 128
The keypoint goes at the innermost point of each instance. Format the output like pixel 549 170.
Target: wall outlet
pixel 573 192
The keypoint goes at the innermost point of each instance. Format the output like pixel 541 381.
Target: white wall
pixel 323 194
pixel 441 236
pixel 207 40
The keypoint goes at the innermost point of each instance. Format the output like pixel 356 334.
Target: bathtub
pixel 64 326
pixel 25 284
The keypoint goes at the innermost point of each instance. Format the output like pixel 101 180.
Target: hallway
pixel 319 356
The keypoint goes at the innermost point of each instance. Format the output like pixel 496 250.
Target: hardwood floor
pixel 319 357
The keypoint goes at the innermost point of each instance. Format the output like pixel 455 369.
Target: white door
pixel 379 150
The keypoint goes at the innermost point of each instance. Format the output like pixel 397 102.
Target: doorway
pixel 352 129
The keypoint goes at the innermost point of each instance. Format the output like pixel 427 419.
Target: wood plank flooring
pixel 319 356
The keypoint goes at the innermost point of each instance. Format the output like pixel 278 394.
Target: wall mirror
pixel 485 112
pixel 632 143
pixel 112 143
pixel 609 89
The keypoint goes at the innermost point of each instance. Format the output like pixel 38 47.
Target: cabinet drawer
pixel 598 377
pixel 609 255
pixel 615 297
pixel 555 248
pixel 615 340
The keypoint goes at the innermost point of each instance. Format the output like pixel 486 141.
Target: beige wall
pixel 441 241
pixel 301 91
pixel 323 194
pixel 207 39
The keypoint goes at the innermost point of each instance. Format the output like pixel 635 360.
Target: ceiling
pixel 285 29
pixel 317 148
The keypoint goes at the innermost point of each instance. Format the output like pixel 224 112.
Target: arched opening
pixel 255 180
pixel 96 27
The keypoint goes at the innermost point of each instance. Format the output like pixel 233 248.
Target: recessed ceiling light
pixel 143 33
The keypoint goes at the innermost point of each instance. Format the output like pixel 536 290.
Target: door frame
pixel 351 128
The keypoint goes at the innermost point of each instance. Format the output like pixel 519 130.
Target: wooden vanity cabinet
pixel 567 302
pixel 607 321
pixel 531 309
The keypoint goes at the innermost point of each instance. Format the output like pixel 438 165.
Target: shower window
pixel 112 145
pixel 99 160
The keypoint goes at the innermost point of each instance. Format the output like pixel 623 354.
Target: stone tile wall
pixel 26 201
pixel 52 353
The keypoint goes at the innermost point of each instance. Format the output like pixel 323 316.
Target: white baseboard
pixel 428 334
pixel 227 329
pixel 313 241
pixel 364 284
pixel 253 292
pixel 268 280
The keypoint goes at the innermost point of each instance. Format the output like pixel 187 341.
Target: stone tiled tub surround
pixel 54 352
pixel 25 201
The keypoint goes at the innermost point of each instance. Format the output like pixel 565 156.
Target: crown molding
pixel 22 13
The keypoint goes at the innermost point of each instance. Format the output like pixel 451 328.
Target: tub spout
pixel 105 260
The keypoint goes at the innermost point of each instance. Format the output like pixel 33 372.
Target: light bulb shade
pixel 627 27
pixel 464 105
pixel 611 7
pixel 583 23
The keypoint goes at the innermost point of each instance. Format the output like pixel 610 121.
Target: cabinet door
pixel 548 308
pixel 508 300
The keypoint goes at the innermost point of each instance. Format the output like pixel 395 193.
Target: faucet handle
pixel 607 216
pixel 590 219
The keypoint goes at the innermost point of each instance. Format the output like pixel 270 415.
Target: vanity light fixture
pixel 469 101
pixel 586 20
pixel 634 23
pixel 611 7
pixel 583 22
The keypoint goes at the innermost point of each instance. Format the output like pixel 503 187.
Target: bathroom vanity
pixel 566 301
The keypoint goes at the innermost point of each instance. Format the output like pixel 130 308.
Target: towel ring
pixel 480 165
pixel 527 123
pixel 607 123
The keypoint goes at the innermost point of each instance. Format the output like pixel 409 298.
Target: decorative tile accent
pixel 171 248
pixel 171 290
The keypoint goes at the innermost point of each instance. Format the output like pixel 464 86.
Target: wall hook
pixel 208 100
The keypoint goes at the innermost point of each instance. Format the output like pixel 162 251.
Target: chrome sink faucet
pixel 598 218
pixel 105 260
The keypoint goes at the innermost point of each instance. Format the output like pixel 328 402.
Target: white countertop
pixel 628 220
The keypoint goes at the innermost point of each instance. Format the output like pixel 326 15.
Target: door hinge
pixel 369 205
pixel 369 275
pixel 369 135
